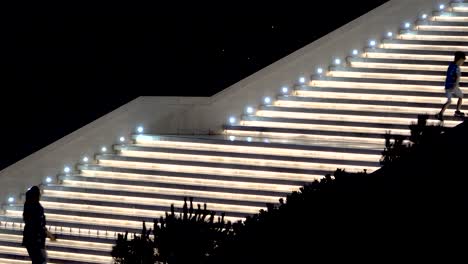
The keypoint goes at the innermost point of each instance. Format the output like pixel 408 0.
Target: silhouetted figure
pixel 452 85
pixel 35 231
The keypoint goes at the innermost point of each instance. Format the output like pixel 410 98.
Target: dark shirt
pixel 453 74
pixel 34 233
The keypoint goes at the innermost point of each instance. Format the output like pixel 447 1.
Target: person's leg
pixel 35 254
pixel 459 104
pixel 458 92
pixel 444 107
pixel 448 94
pixel 43 256
pixel 440 115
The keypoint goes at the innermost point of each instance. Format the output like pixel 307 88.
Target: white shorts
pixel 457 92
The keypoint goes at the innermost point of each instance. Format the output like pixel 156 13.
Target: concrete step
pixel 412 63
pixel 112 215
pixel 369 106
pixel 62 246
pixel 127 205
pixel 337 144
pixel 328 125
pixel 11 224
pixel 446 54
pixel 438 26
pixel 80 224
pixel 429 97
pixel 409 54
pixel 304 134
pixel 430 22
pixel 392 74
pixel 384 84
pixel 15 259
pixel 101 243
pixel 377 84
pixel 145 198
pixel 209 168
pixel 355 82
pixel 101 217
pixel 286 148
pixel 20 254
pixel 231 157
pixel 356 91
pixel 359 104
pixel 380 105
pixel 337 114
pixel 411 73
pixel 399 64
pixel 459 7
pixel 453 16
pixel 114 178
pixel 444 35
pixel 426 36
pixel 424 45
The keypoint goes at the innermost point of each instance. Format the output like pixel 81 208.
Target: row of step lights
pixel 117 192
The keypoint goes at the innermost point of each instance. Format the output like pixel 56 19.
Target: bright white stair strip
pixel 391 76
pixel 258 150
pixel 104 222
pixel 280 145
pixel 150 201
pixel 84 220
pixel 63 230
pixel 134 212
pixel 401 66
pixel 374 97
pixel 17 261
pixel 424 47
pixel 381 86
pixel 181 181
pixel 153 214
pixel 460 8
pixel 432 37
pixel 64 243
pixel 62 255
pixel 304 136
pixel 423 28
pixel 407 56
pixel 449 18
pixel 227 160
pixel 355 129
pixel 207 170
pixel 361 107
pixel 351 118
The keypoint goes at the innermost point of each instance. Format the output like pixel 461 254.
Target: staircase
pixel 336 119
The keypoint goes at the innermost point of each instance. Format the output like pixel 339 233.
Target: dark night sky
pixel 63 71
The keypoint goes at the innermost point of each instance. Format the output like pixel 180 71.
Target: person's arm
pixel 51 236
